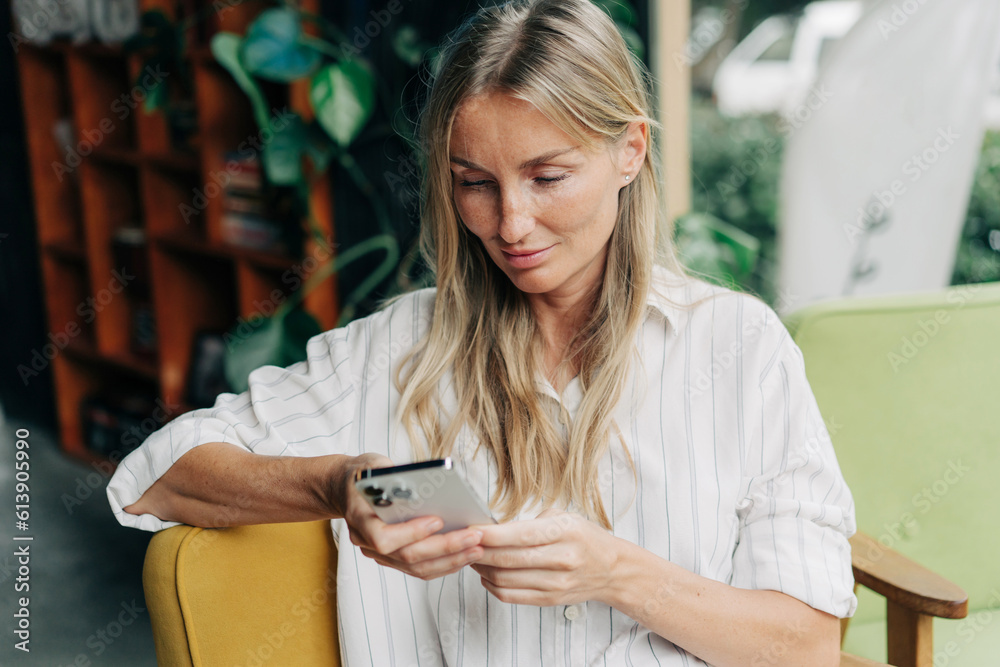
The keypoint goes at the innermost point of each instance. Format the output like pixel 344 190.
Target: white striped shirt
pixel 736 480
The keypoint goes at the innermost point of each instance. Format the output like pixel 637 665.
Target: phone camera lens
pixel 383 502
pixel 402 493
pixel 373 491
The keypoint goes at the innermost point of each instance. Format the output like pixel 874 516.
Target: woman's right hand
pixel 411 546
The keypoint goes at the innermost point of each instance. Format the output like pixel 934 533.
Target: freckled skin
pixel 510 208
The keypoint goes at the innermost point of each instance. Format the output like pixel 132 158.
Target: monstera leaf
pixel 717 249
pixel 408 46
pixel 343 97
pixel 276 49
pixel 160 43
pixel 282 155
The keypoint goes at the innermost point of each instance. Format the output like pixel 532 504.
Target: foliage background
pixel 745 199
pixel 718 144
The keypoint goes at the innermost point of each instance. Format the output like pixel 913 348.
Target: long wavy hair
pixel 567 58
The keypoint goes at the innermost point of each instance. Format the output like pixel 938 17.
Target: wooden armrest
pixel 908 584
pixel 848 660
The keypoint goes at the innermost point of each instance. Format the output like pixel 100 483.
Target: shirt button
pixel 574 611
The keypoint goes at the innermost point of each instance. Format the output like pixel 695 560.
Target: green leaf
pixel 274 48
pixel 155 20
pixel 277 341
pixel 715 248
pixel 343 97
pixel 408 46
pixel 282 155
pixel 226 49
pixel 156 97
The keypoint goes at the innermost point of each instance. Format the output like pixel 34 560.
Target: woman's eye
pixel 546 180
pixel 540 180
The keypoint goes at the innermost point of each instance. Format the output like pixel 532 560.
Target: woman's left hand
pixel 558 558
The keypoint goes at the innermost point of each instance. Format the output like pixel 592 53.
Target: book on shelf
pixel 250 231
pixel 242 201
pixel 245 172
pixel 246 220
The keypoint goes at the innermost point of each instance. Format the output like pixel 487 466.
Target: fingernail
pixel 434 524
pixel 473 539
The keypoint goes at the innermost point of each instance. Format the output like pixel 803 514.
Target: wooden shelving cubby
pixel 123 171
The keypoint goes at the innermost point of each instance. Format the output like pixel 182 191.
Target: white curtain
pixel 880 158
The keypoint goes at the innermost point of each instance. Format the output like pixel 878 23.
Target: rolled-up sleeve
pixel 305 409
pixel 797 513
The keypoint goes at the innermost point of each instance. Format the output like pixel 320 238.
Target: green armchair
pixel 909 386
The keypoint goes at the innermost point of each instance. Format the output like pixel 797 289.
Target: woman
pixel 666 486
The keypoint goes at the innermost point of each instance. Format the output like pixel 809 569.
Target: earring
pixel 627 177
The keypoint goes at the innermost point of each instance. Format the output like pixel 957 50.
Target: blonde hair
pixel 567 58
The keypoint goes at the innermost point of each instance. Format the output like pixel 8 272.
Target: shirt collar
pixel 666 291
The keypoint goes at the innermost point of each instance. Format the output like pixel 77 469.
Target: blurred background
pixel 192 189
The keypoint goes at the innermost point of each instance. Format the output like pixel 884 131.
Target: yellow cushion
pixel 251 595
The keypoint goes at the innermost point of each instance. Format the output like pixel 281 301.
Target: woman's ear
pixel 633 150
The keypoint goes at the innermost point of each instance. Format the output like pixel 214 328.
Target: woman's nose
pixel 516 218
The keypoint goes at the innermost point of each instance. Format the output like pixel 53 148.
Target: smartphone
pixel 428 488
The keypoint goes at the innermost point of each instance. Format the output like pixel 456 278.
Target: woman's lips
pixel 528 260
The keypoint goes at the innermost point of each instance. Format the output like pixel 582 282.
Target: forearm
pixel 219 484
pixel 721 624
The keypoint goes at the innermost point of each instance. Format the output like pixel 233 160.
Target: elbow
pixel 828 657
pixel 816 653
pixel 811 638
pixel 159 501
pixel 824 649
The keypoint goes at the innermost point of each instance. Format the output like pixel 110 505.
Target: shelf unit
pixel 130 176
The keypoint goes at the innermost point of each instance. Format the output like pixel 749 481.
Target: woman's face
pixel 543 205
